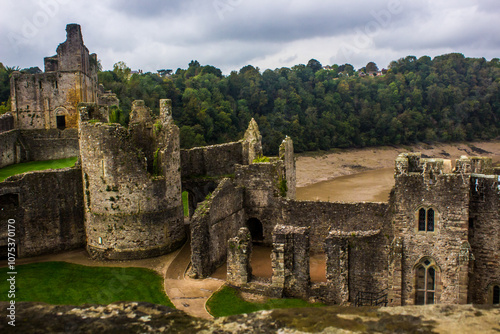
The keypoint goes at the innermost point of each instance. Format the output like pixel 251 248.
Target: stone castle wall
pixel 130 212
pixel 215 221
pixel 484 237
pixel 10 153
pixel 6 122
pixel 428 184
pixel 211 160
pixel 36 145
pixel 51 144
pixel 324 217
pixel 48 209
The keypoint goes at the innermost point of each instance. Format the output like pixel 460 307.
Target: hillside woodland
pixel 446 99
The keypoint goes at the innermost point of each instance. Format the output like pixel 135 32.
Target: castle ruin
pixel 436 241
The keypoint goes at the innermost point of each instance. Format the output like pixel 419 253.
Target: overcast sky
pixel 229 34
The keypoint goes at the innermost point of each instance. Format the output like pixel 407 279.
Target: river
pixel 370 186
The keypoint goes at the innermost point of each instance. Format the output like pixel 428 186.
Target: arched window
pixel 426 219
pixel 425 273
pixel 496 294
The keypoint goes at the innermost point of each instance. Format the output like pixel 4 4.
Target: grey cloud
pixel 232 33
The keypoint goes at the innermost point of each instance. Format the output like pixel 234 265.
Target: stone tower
pixel 49 100
pixel 132 185
pixel 431 229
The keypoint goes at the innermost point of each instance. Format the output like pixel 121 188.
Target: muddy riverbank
pixel 313 167
pixel 355 175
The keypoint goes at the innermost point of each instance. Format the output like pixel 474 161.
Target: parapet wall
pixel 48 209
pixel 217 160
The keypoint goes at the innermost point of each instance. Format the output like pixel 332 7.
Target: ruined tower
pixel 49 100
pixel 431 258
pixel 133 205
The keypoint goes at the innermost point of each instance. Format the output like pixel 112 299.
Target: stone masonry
pixel 132 196
pixel 436 241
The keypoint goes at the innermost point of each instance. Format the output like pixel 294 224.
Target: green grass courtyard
pixel 35 166
pixel 228 301
pixel 72 284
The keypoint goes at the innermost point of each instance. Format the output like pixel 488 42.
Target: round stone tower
pixel 131 210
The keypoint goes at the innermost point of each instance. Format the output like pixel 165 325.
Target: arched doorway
pixel 61 113
pixel 261 254
pixel 256 230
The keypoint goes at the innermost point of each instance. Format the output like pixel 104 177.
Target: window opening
pixel 61 122
pixel 426 220
pixel 425 283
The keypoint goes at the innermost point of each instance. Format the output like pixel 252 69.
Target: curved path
pixel 187 294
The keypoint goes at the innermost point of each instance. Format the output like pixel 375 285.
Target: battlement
pixel 413 163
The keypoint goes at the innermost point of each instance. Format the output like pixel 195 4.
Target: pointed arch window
pixel 426 219
pixel 425 281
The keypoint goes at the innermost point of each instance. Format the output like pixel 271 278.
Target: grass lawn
pixel 73 284
pixel 35 165
pixel 185 203
pixel 227 301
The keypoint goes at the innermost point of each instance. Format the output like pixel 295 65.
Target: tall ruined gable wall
pixel 37 97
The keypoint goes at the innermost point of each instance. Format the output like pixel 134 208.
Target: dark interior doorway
pixel 61 122
pixel 8 201
pixel 256 230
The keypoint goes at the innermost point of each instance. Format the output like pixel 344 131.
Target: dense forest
pixel 448 98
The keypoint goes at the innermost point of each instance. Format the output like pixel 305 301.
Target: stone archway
pixel 256 230
pixel 61 114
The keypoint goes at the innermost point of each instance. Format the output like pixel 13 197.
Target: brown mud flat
pixel 357 175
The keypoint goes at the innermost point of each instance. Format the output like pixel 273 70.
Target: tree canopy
pixel 448 98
